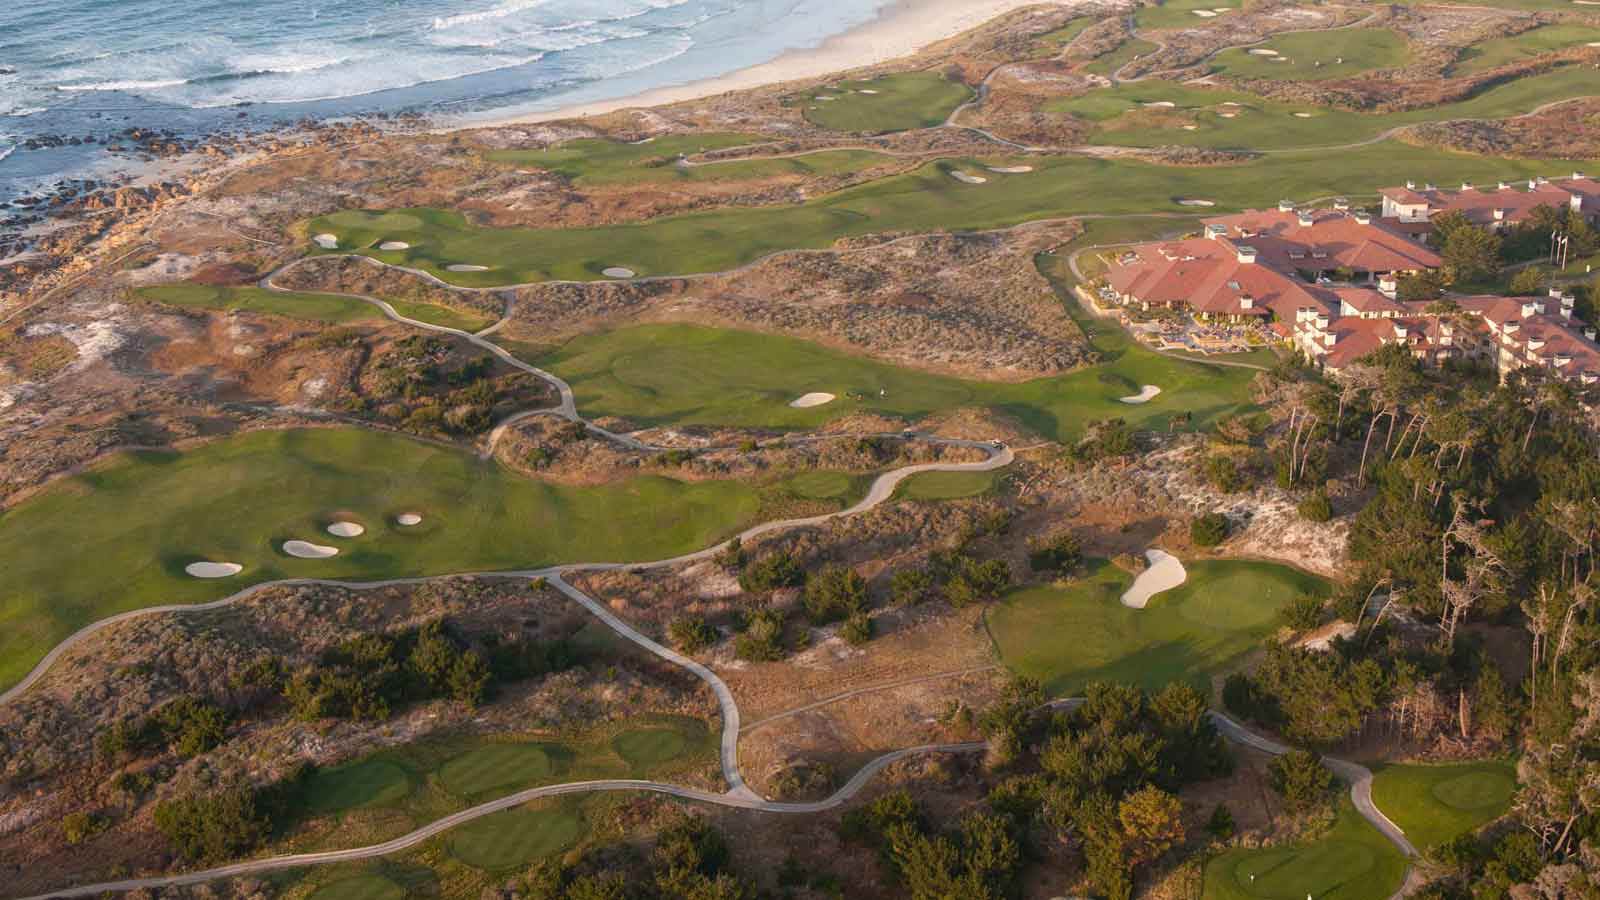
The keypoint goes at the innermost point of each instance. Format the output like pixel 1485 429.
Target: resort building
pixel 1411 209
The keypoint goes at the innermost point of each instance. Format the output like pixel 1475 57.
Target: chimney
pixel 1411 185
pixel 1576 202
pixel 1502 186
pixel 1341 203
pixel 1466 185
pixel 1388 286
pixel 1216 231
pixel 1430 187
pixel 1531 309
pixel 1555 292
pixel 1577 175
pixel 1363 218
pixel 1285 206
pixel 1305 219
pixel 1499 215
pixel 1246 253
pixel 1246 301
pixel 1533 184
pixel 1589 333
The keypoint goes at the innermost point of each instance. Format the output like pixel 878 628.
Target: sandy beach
pixel 900 29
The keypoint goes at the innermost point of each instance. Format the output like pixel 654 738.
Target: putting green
pixel 922 200
pixel 1315 55
pixel 1433 804
pixel 897 102
pixel 237 499
pixel 1354 862
pixel 818 485
pixel 1068 637
pixel 643 748
pixel 360 785
pixel 517 837
pixel 595 162
pixel 1124 115
pixel 691 375
pixel 1544 39
pixel 947 485
pixel 361 887
pixel 495 766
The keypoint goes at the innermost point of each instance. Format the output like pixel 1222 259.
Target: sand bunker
pixel 347 529
pixel 1192 202
pixel 408 519
pixel 394 245
pixel 617 272
pixel 1010 170
pixel 1262 51
pixel 866 91
pixel 461 267
pixel 1145 395
pixel 815 398
pixel 1229 115
pixel 213 569
pixel 307 550
pixel 1302 115
pixel 1204 13
pixel 968 178
pixel 1160 104
pixel 1191 127
pixel 327 241
pixel 1164 574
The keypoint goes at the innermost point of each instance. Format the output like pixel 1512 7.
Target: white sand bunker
pixel 1164 574
pixel 1302 115
pixel 327 241
pixel 1145 395
pixel 968 177
pixel 347 529
pixel 1160 104
pixel 828 99
pixel 866 91
pixel 307 550
pixel 1228 115
pixel 213 569
pixel 408 519
pixel 394 245
pixel 815 398
pixel 1189 201
pixel 1594 43
pixel 617 272
pixel 1191 127
pixel 462 267
pixel 1204 13
pixel 1010 170
pixel 1262 51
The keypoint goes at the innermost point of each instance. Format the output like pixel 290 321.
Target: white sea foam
pixel 509 8
pixel 130 86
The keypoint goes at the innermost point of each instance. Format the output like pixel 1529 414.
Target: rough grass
pixel 898 102
pixel 596 162
pixel 1052 42
pixel 1353 862
pixel 311 307
pixel 922 200
pixel 690 375
pixel 1125 119
pixel 1070 636
pixel 517 837
pixel 947 485
pixel 1126 52
pixel 1181 13
pixel 1433 804
pixel 1544 39
pixel 239 498
pixel 1317 55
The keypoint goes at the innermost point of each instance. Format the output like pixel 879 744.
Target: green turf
pixel 485 770
pixel 1181 13
pixel 1316 55
pixel 922 200
pixel 818 485
pixel 445 316
pixel 645 748
pixel 1433 804
pixel 686 374
pixel 1124 117
pixel 1126 52
pixel 896 102
pixel 1544 39
pixel 947 485
pixel 368 783
pixel 517 837
pixel 311 307
pixel 1070 636
pixel 361 887
pixel 239 498
pixel 595 162
pixel 1353 862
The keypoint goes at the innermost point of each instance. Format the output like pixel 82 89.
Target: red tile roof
pixel 1516 201
pixel 1333 239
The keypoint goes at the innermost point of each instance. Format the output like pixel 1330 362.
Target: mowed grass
pixel 898 102
pixel 495 766
pixel 1068 637
pixel 947 485
pixel 926 199
pixel 74 553
pixel 360 887
pixel 359 785
pixel 1316 55
pixel 1182 13
pixel 1544 39
pixel 1353 862
pixel 517 837
pixel 1434 803
pixel 310 307
pixel 1234 120
pixel 645 748
pixel 596 162
pixel 692 375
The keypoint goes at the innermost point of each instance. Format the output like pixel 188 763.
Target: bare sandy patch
pixel 815 398
pixel 1164 574
pixel 213 569
pixel 308 550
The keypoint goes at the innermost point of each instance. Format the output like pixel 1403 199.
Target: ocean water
pixel 93 68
